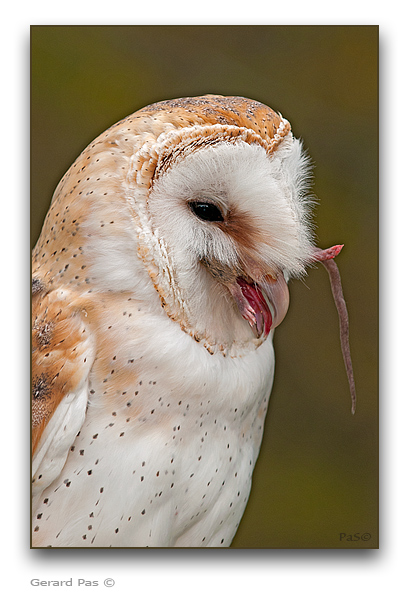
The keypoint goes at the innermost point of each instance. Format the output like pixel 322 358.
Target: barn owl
pixel 159 276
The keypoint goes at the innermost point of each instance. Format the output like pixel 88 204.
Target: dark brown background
pixel 317 474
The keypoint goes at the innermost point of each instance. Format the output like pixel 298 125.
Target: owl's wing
pixel 62 356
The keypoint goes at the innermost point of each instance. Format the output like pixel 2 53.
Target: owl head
pixel 198 206
pixel 198 209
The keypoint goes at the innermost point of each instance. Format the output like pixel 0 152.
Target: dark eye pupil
pixel 206 211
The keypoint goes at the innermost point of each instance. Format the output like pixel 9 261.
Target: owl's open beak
pixel 250 297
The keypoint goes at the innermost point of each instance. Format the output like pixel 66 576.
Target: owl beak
pixel 250 296
pixel 276 290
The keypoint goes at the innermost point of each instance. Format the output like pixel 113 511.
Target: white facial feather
pixel 270 191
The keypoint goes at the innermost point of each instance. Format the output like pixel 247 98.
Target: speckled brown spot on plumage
pixel 43 330
pixel 37 286
pixel 41 388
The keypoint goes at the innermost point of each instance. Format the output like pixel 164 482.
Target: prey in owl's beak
pixel 326 257
pixel 251 287
pixel 250 296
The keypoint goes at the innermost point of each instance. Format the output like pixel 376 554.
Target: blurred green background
pixel 317 475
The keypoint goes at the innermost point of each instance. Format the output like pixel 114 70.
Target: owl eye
pixel 206 211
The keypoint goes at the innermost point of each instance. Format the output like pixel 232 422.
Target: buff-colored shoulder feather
pixel 62 355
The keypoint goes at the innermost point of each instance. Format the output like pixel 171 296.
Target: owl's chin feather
pixel 252 305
